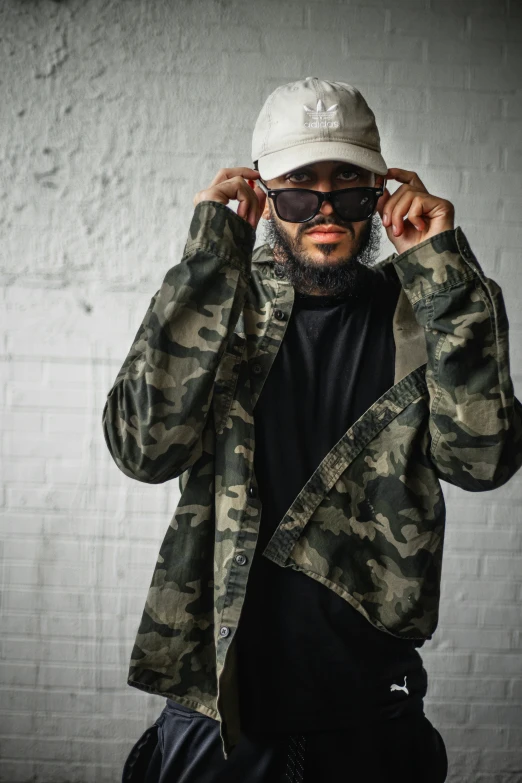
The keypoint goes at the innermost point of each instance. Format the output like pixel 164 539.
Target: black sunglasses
pixel 298 205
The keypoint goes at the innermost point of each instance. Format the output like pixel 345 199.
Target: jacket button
pixel 224 630
pixel 280 315
pixel 240 559
pixel 257 368
pixel 252 491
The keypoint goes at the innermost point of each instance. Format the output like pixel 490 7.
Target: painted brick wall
pixel 113 115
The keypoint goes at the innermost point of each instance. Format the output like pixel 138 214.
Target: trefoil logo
pixel 321 117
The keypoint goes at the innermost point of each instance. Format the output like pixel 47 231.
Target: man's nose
pixel 325 187
pixel 326 208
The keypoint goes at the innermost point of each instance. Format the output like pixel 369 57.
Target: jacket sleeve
pixel 156 410
pixel 475 419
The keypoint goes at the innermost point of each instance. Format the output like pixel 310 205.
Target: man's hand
pixel 427 215
pixel 230 185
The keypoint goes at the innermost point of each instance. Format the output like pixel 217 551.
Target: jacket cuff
pixel 216 228
pixel 438 263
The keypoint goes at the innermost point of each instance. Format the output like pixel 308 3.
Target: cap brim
pixel 278 163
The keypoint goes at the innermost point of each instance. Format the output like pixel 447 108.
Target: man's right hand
pixel 231 185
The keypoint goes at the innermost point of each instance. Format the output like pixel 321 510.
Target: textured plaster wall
pixel 112 116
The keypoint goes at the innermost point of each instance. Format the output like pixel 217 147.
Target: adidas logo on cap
pixel 321 117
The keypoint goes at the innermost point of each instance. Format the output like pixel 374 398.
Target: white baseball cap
pixel 312 120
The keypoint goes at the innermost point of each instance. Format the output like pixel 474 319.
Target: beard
pixel 348 276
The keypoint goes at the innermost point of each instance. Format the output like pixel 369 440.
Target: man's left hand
pixel 427 215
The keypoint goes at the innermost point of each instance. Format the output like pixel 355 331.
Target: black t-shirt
pixel 307 660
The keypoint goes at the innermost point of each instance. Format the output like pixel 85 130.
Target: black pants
pixel 185 747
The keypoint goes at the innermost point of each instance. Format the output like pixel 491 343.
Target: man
pixel 310 400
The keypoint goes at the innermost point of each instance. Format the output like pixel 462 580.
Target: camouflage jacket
pixel 369 522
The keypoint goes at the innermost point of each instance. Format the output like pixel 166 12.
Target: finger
pixel 230 173
pixel 248 207
pixel 381 202
pixel 415 214
pixel 261 197
pixel 234 189
pixel 253 186
pixel 243 207
pixel 260 200
pixel 390 203
pixel 394 200
pixel 425 204
pixel 408 177
pixel 400 211
pixel 231 188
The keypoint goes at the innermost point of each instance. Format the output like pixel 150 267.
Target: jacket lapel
pixel 410 341
pixel 265 333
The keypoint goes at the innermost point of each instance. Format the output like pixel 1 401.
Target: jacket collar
pixel 410 341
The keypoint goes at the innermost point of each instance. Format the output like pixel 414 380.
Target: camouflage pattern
pixel 369 523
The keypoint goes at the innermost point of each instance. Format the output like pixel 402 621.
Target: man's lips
pixel 326 233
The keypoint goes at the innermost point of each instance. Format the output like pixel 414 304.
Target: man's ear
pixel 266 211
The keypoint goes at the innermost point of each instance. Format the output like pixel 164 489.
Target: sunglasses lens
pixel 296 205
pixel 354 205
pixel 300 205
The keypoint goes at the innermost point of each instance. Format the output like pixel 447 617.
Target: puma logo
pixel 400 687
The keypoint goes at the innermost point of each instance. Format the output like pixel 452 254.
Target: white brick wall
pixel 113 115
